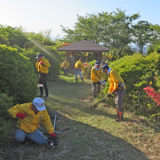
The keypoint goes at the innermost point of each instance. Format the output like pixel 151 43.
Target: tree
pixel 142 34
pixel 12 36
pixel 114 30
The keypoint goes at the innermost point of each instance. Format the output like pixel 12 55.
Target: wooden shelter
pixel 84 46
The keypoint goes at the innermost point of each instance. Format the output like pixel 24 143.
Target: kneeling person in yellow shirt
pixel 29 116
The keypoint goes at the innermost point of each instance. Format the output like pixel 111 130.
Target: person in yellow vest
pixel 77 70
pixel 29 116
pixel 87 56
pixel 117 85
pixel 96 77
pixel 65 66
pixel 42 67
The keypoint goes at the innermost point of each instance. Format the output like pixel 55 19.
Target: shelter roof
pixel 84 45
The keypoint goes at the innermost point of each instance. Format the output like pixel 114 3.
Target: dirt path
pixel 93 135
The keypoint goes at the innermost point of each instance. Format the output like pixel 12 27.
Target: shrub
pixel 138 71
pixel 17 78
pixel 5 104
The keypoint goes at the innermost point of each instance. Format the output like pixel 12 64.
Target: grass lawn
pixel 93 134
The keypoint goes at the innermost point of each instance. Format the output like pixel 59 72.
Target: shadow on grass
pixel 81 142
pixel 79 106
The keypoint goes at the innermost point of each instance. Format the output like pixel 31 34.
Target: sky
pixel 43 15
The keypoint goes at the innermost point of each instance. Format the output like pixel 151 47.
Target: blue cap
pixel 39 104
pixel 80 59
pixel 39 55
pixel 105 67
pixel 97 62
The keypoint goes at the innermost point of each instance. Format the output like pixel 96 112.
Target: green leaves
pixel 17 78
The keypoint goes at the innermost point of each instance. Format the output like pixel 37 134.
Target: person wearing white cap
pixel 29 116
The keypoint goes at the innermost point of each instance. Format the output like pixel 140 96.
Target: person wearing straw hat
pixel 29 116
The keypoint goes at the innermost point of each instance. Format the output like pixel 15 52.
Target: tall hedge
pixel 17 78
pixel 138 72
pixel 5 104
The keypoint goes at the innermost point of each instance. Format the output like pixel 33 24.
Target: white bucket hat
pixel 39 104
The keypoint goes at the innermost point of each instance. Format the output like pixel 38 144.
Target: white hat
pixel 39 104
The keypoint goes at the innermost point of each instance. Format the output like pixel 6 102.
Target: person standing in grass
pixel 96 74
pixel 42 67
pixel 65 66
pixel 77 70
pixel 87 56
pixel 29 116
pixel 116 85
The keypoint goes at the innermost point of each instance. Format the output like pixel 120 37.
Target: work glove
pixel 101 81
pixel 41 63
pixel 53 135
pixel 53 140
pixel 21 115
pixel 104 82
pixel 114 90
pixel 109 95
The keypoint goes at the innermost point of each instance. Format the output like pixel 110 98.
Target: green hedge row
pixel 17 78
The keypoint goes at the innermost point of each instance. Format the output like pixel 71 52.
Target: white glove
pixel 101 81
pixel 104 82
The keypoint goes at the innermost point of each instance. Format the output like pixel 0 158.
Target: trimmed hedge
pixel 17 78
pixel 5 104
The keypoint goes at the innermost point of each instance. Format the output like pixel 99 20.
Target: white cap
pixel 39 104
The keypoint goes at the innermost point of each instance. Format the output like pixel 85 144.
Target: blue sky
pixel 41 15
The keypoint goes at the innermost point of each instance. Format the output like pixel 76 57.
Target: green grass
pixel 93 134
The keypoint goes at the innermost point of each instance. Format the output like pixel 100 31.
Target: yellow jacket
pixel 113 79
pixel 87 54
pixel 65 64
pixel 31 122
pixel 43 68
pixel 79 65
pixel 97 75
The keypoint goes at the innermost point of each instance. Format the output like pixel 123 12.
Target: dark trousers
pixel 96 88
pixel 43 80
pixel 65 70
pixel 119 95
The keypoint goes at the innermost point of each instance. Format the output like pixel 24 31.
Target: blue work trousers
pixel 78 72
pixel 36 136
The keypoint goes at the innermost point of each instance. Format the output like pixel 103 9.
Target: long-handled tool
pixel 53 141
pixel 67 72
pixel 97 103
pixel 54 116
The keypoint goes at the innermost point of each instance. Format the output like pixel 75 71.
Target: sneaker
pixel 46 97
pixel 40 95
